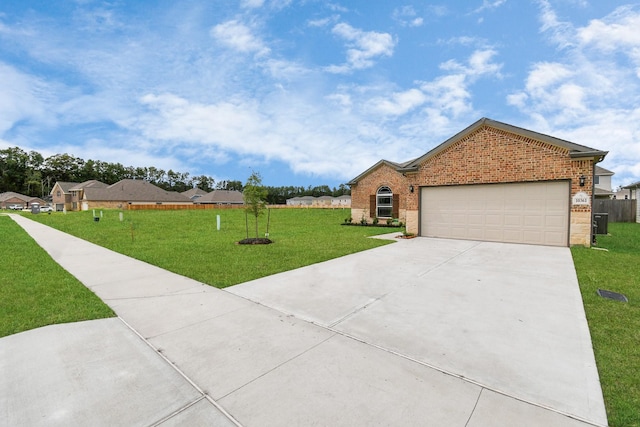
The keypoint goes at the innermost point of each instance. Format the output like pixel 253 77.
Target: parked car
pixel 15 207
pixel 46 209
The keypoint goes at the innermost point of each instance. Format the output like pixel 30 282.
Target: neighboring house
pixel 602 183
pixel 633 190
pixel 343 201
pixel 194 193
pixel 301 201
pixel 16 199
pixel 221 197
pixel 129 192
pixel 93 194
pixel 622 194
pixel 68 195
pixel 492 182
pixel 322 201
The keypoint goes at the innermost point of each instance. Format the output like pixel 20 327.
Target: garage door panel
pixel 493 219
pixel 494 234
pixel 535 213
pixel 458 232
pixel 475 219
pixel 535 237
pixel 554 221
pixel 534 221
pixel 512 220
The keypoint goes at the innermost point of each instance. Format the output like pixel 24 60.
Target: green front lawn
pixel 38 292
pixel 187 242
pixel 615 326
pixel 35 291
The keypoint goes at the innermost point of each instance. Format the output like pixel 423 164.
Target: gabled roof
pixel 92 183
pixel 394 165
pixel 10 195
pixel 222 196
pixel 633 186
pixel 133 190
pixel 602 192
pixel 575 150
pixel 13 195
pixel 67 187
pixel 194 193
pixel 600 171
pixel 64 186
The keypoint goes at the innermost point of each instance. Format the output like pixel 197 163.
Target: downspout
pixel 593 195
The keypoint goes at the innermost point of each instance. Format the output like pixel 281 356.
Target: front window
pixel 384 202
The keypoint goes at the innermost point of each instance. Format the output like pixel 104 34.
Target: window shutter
pixel 395 209
pixel 372 206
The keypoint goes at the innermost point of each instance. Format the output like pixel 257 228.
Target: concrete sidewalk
pixel 421 332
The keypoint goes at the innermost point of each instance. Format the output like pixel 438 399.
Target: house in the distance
pixel 221 197
pixel 343 201
pixel 122 194
pixel 602 183
pixel 16 199
pixel 66 196
pixel 633 194
pixel 128 192
pixel 194 193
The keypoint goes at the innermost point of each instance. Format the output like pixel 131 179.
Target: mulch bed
pixel 255 241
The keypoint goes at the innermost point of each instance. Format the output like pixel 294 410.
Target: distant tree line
pixel 32 174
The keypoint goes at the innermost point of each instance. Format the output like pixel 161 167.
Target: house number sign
pixel 581 198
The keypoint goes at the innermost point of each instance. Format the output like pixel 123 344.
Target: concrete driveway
pixel 420 332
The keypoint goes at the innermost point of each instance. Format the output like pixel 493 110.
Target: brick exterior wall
pixel 488 155
pixel 385 176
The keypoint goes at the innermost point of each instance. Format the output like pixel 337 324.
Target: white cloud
pixel 407 16
pixel 363 47
pixel 589 95
pixel 239 36
pixel 560 32
pixel 252 4
pixel 24 99
pixel 478 64
pixel 310 141
pixel 400 102
pixel 488 5
pixel 616 31
pixel 322 22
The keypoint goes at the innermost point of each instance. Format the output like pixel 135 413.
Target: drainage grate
pixel 612 295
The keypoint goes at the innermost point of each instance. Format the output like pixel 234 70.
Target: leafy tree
pixel 203 182
pixel 63 167
pixel 255 195
pixel 230 185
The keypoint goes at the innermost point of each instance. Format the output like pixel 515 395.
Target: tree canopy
pixel 33 175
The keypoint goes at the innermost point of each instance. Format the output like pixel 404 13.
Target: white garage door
pixel 535 213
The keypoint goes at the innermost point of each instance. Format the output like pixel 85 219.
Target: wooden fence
pixel 174 207
pixel 618 210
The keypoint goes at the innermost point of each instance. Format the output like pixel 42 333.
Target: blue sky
pixel 312 92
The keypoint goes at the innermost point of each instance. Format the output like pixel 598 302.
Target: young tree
pixel 255 195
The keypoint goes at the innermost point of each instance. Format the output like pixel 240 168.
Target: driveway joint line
pixel 196 323
pixel 467 379
pixel 182 374
pixel 420 362
pixel 178 411
pixel 278 366
pixel 474 407
pixel 446 261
